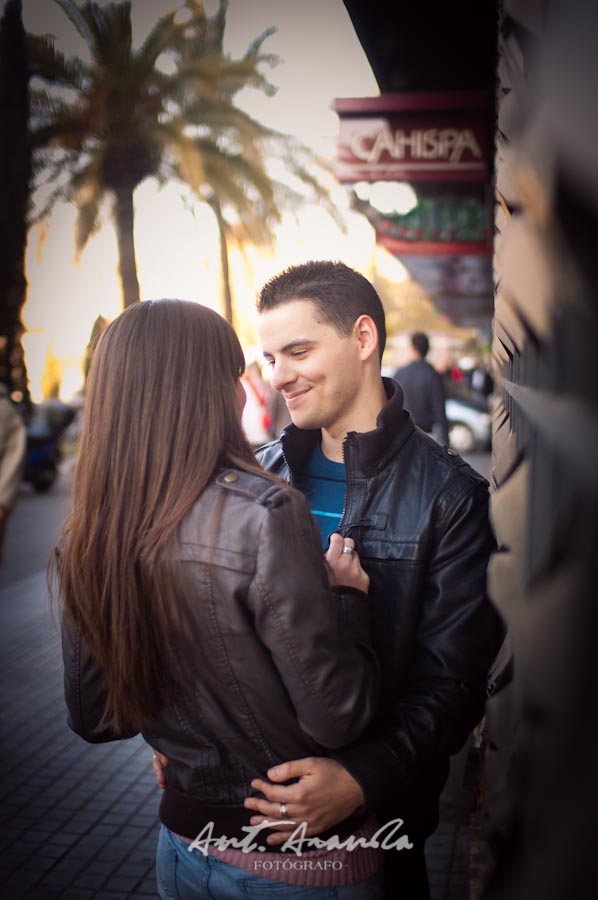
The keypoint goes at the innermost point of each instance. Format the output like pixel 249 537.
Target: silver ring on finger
pixel 283 810
pixel 347 549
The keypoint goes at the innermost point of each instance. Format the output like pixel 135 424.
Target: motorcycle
pixel 45 434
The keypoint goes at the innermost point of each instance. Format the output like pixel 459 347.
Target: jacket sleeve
pixel 458 636
pixel 320 642
pixel 84 690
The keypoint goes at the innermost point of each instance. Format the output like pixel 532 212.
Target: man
pixel 418 517
pixel 423 389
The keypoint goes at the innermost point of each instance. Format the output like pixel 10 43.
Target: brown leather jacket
pixel 286 669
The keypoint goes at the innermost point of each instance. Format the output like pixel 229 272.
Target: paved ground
pixel 78 822
pixel 32 530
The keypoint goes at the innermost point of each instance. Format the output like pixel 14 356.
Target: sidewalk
pixel 78 821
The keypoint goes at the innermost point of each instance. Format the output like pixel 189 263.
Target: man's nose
pixel 282 374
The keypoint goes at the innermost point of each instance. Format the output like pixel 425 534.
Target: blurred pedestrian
pixel 256 415
pixel 197 608
pixel 423 388
pixel 13 441
pixel 482 382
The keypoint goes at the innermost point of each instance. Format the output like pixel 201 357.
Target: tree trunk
pixel 228 297
pixel 124 218
pixel 15 178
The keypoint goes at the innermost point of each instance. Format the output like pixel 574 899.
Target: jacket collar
pixel 373 448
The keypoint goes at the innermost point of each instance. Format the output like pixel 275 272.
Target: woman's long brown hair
pixel 160 416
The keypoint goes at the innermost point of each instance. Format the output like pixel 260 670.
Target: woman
pixel 197 608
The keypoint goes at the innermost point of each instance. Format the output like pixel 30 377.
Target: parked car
pixel 470 424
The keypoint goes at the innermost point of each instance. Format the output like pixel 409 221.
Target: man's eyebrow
pixel 292 345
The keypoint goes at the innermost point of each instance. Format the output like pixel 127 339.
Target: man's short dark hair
pixel 420 343
pixel 341 295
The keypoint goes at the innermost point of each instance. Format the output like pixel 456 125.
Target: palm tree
pixel 236 150
pixel 102 132
pixel 120 118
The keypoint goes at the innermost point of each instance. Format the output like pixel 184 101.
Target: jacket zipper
pixel 292 479
pixel 340 524
pixel 288 465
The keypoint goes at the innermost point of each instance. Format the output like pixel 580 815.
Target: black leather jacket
pixel 285 671
pixel 419 517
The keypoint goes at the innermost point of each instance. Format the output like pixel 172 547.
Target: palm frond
pixel 160 38
pixel 254 48
pixel 86 175
pixel 52 164
pixel 216 25
pixel 223 117
pixel 114 40
pixel 42 162
pixel 190 39
pixel 250 173
pixel 48 63
pixel 190 163
pixel 67 131
pixel 60 192
pixel 243 185
pixel 188 155
pixel 44 105
pixel 77 17
pixel 229 193
pixel 106 29
pixel 204 70
pixel 95 22
pixel 234 75
pixel 88 216
pixel 242 226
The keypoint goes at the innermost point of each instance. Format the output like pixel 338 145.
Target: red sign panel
pixel 413 137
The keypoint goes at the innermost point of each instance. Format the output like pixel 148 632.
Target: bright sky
pixel 177 254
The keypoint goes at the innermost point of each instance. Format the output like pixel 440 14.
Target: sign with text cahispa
pixel 413 137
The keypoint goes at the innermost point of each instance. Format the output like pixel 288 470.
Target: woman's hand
pixel 344 567
pixel 159 763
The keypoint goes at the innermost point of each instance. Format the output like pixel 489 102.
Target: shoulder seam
pixel 264 494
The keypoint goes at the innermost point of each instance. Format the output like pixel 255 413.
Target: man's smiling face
pixel 315 368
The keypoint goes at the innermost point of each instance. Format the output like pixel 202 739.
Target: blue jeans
pixel 184 875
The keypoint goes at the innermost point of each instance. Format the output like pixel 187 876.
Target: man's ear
pixel 366 334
